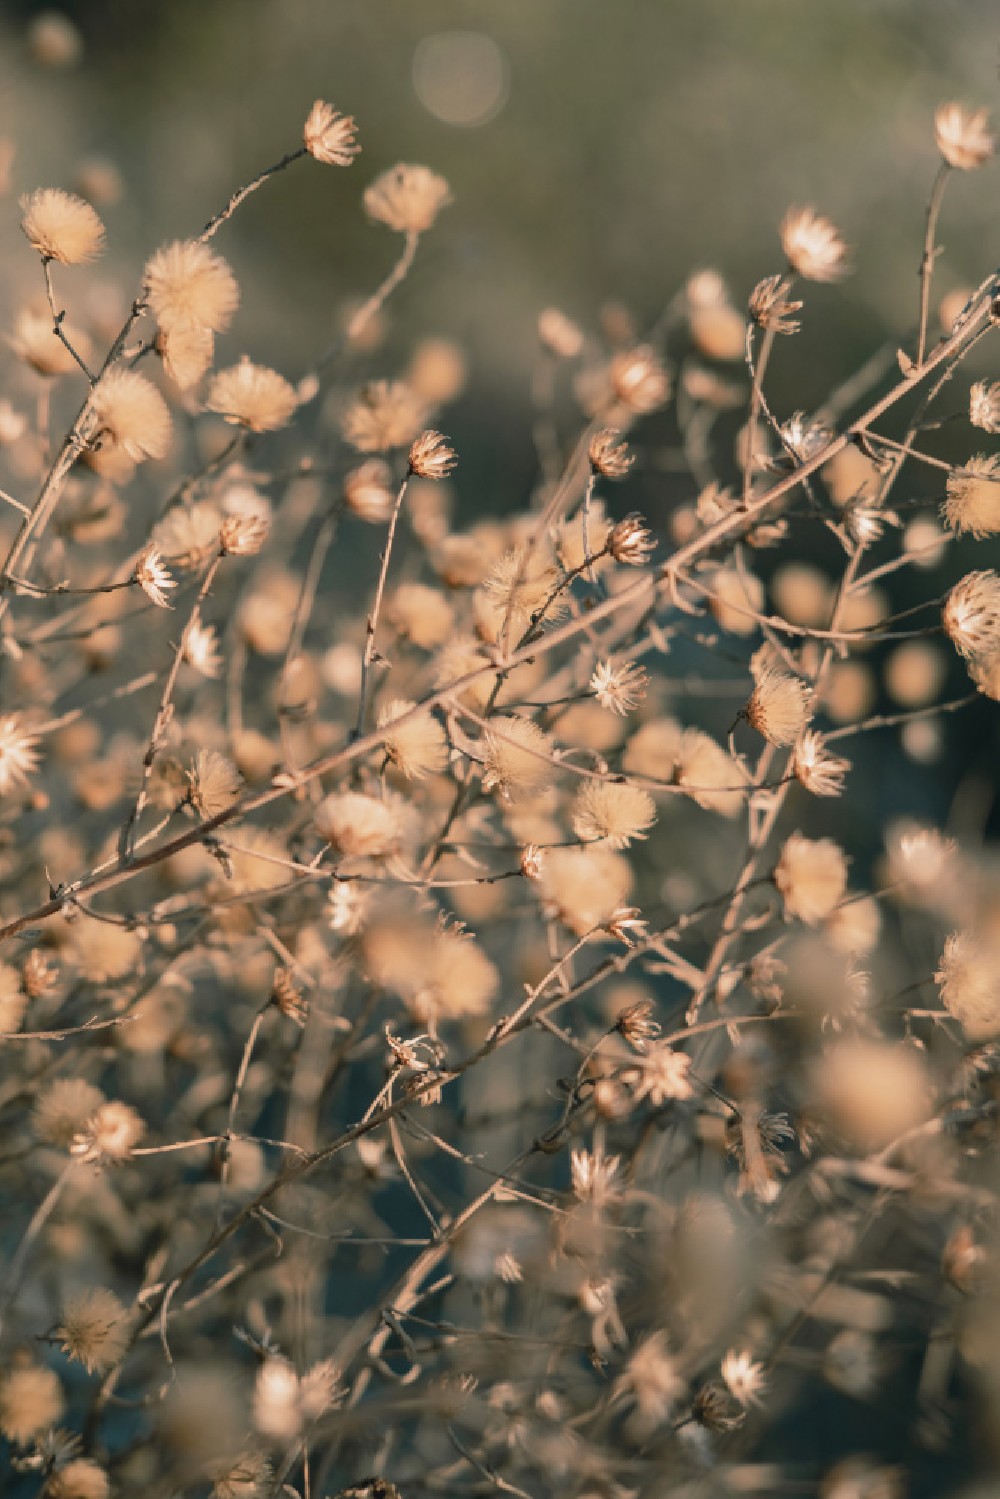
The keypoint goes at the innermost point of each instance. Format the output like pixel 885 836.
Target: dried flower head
pixel 771 307
pixel 153 578
pixel 514 595
pixel 421 615
pixel 584 887
pixel 61 226
pixel 971 614
pixel 131 416
pixel 358 826
pixel 18 753
pixel 186 353
pixel 329 136
pixel 243 535
pixel 517 757
pixel 620 689
pixel 558 334
pixel 384 414
pixel 631 542
pixel 593 1176
pixel 638 380
pixel 612 811
pixel 663 1075
pixel 109 1136
pixel 745 1379
pixel 63 1108
pixel 213 782
pixel 417 747
pixel 972 497
pixel 609 454
pixel 963 136
pixel 34 341
pixel 188 287
pixel 968 981
pixel 201 649
pixel 984 405
pixel 189 534
pixel 288 999
pixel 31 1399
pixel 252 396
pixel 407 198
pixel 813 246
pixel 812 876
pixel 94 1329
pixel 816 768
pixel 367 491
pixel 636 1025
pixel 431 457
pixel 652 1383
pixel 780 704
pixel 709 774
pixel 80 1478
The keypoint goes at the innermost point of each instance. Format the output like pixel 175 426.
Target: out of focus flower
pixel 963 136
pixel 407 198
pixel 252 396
pixel 813 245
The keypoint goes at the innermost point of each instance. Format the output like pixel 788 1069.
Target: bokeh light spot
pixel 461 77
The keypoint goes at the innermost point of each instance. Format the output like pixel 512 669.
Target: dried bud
pixel 813 246
pixel 287 997
pixel 431 457
pixel 329 135
pixel 608 456
pixel 963 136
pixel 637 1026
pixel 639 380
pixel 153 578
pixel 770 306
pixel 243 535
pixel 630 542
pixel 532 860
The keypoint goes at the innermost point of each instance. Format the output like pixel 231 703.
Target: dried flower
pixel 421 615
pixel 558 334
pixel 608 455
pixel 984 405
pixel 971 614
pixel 18 753
pixel 779 705
pixel 630 541
pixel 584 887
pixel 190 288
pixel 963 136
pixel 243 535
pixel 384 414
pixel 63 1109
pixel 31 1399
pixel 186 354
pixel 109 1136
pixel 417 747
pixel 813 246
pixel 636 1025
pixel 358 826
pixel 329 135
pixel 61 226
pixel 367 491
pixel 744 1379
pixel 651 1382
pixel 968 981
pixel 80 1478
pixel 94 1329
pixel 189 534
pixel 613 811
pixel 201 649
pixel 771 307
pixel 972 497
pixel 620 689
pixel 515 594
pixel 407 198
pixel 639 380
pixel 153 578
pixel 132 417
pixel 628 926
pixel 288 998
pixel 252 396
pixel 709 774
pixel 431 457
pixel 34 341
pixel 663 1074
pixel 816 768
pixel 214 783
pixel 593 1175
pixel 812 876
pixel 517 757
pixel 532 861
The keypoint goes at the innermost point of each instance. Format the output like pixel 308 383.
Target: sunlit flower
pixel 153 578
pixel 61 226
pixel 614 811
pixel 972 497
pixel 816 768
pixel 812 876
pixel 431 457
pixel 971 614
pixel 253 396
pixel 94 1329
pixel 517 756
pixel 407 198
pixel 743 1378
pixel 984 405
pixel 384 414
pixel 329 136
pixel 609 454
pixel 620 689
pixel 190 287
pixel 813 246
pixel 109 1136
pixel 131 415
pixel 201 649
pixel 214 783
pixel 663 1075
pixel 963 136
pixel 18 753
pixel 779 705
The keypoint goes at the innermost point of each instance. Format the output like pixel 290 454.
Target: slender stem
pixel 929 256
pixel 373 618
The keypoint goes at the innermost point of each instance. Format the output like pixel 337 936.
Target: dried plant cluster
pixel 457 1040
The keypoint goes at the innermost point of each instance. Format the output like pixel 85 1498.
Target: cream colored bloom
pixel 816 768
pixel 614 812
pixel 214 783
pixel 18 753
pixel 358 826
pixel 813 245
pixel 609 454
pixel 631 542
pixel 709 775
pixel 963 136
pixel 243 535
pixel 34 341
pixel 189 534
pixel 517 757
pixel 109 1136
pixel 132 417
pixel 94 1329
pixel 407 198
pixel 190 288
pixel 417 747
pixel 584 887
pixel 971 614
pixel 431 457
pixel 743 1378
pixel 201 650
pixel 61 226
pixel 253 396
pixel 384 414
pixel 780 704
pixel 663 1075
pixel 153 578
pixel 968 980
pixel 186 353
pixel 620 689
pixel 514 595
pixel 812 876
pixel 984 405
pixel 972 497
pixel 329 136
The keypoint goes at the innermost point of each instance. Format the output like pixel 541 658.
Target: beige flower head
pixel 609 454
pixel 407 198
pixel 614 812
pixel 963 136
pixel 816 768
pixel 517 757
pixel 971 614
pixel 329 136
pixel 132 417
pixel 109 1136
pixel 972 497
pixel 418 747
pixel 213 782
pixel 358 826
pixel 18 753
pixel 186 353
pixel 190 288
pixel 631 542
pixel 61 226
pixel 431 457
pixel 638 379
pixel 153 578
pixel 621 688
pixel 94 1329
pixel 367 491
pixel 779 705
pixel 812 876
pixel 813 245
pixel 252 396
pixel 384 414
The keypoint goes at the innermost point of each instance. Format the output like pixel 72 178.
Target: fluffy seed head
pixel 213 782
pixel 984 405
pixel 972 497
pixel 631 542
pixel 63 1109
pixel 94 1329
pixel 186 353
pixel 61 226
pixel 132 417
pixel 968 980
pixel 109 1135
pixel 971 614
pixel 358 826
pixel 329 136
pixel 816 768
pixel 663 1075
pixel 252 396
pixel 584 887
pixel 31 1399
pixel 417 747
pixel 609 454
pixel 638 380
pixel 513 595
pixel 407 198
pixel 812 876
pixel 517 757
pixel 384 414
pixel 813 246
pixel 34 341
pixel 779 705
pixel 620 689
pixel 612 811
pixel 190 288
pixel 963 136
pixel 18 753
pixel 710 775
pixel 431 457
